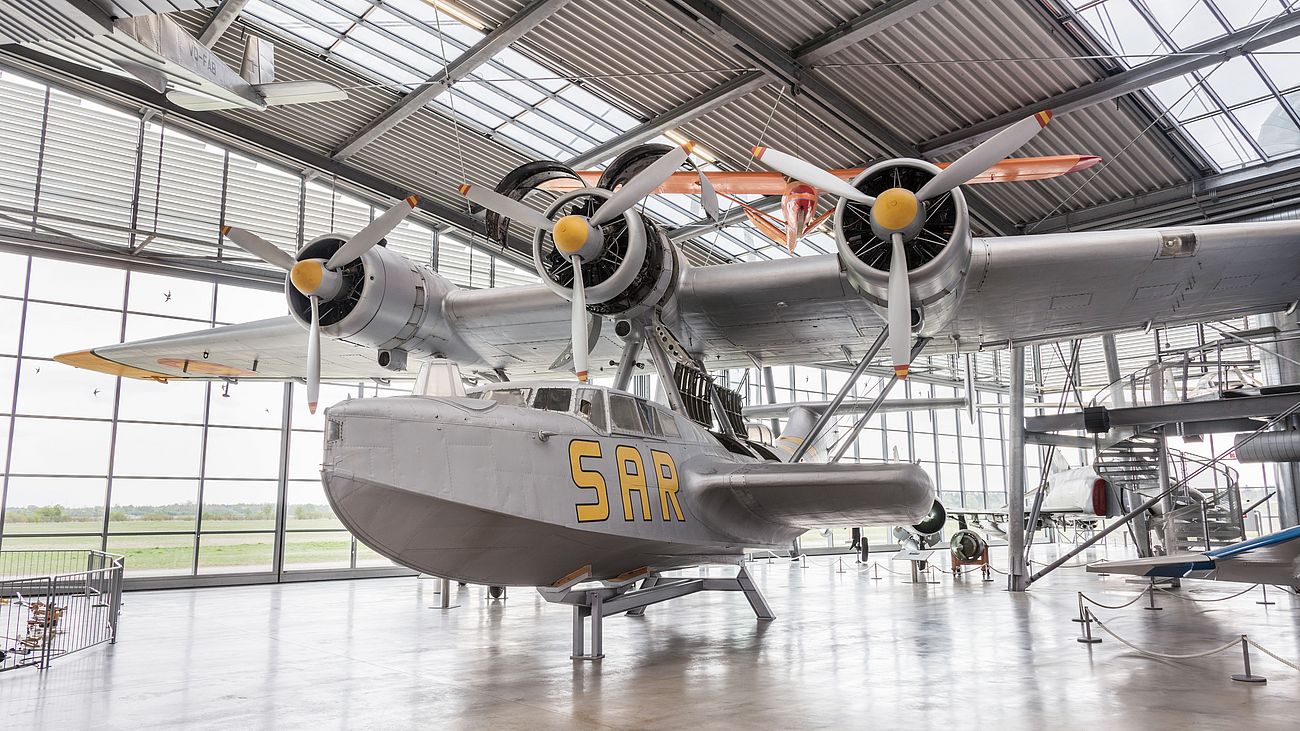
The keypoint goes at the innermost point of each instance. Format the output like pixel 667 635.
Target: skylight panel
pixel 1242 13
pixel 309 34
pixel 379 35
pixel 376 64
pixel 579 121
pixel 1236 82
pixel 1272 127
pixel 1123 29
pixel 1281 61
pixel 1221 141
pixel 547 149
pixel 1188 22
pixel 520 66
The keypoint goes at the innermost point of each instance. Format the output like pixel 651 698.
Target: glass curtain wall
pixel 185 479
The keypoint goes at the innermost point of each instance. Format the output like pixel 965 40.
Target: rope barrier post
pixel 1151 606
pixel 1247 677
pixel 803 560
pixel 1080 617
pixel 1265 602
pixel 840 562
pixel 875 566
pixel 1087 638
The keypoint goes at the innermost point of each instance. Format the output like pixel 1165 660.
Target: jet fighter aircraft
pixel 125 38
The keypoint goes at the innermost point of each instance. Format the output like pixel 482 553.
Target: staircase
pixel 1206 513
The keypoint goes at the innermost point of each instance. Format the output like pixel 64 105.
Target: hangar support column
pixel 1016 574
pixel 1283 368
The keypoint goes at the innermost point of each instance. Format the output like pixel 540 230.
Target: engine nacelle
pixel 967 545
pixel 386 302
pixel 938 257
pixel 925 533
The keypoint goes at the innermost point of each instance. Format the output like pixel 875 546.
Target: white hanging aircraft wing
pixel 42 20
pixel 264 349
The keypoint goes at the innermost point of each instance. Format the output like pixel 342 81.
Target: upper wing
pixel 43 20
pixel 1270 559
pixel 1058 286
pixel 1020 289
pixel 272 349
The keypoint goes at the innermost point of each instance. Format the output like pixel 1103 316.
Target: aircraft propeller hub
pixel 575 236
pixel 896 209
pixel 308 276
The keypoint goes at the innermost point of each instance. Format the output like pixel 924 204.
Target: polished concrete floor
pixel 845 652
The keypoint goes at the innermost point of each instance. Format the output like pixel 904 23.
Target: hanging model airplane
pixel 799 200
pixel 158 53
pixel 1270 559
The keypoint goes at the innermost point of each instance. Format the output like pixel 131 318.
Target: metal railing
pixel 54 603
pixel 1198 373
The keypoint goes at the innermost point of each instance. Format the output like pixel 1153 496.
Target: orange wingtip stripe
pixel 311 407
pixel 413 200
pixel 901 371
pixel 225 230
pixel 582 376
pixel 1043 117
pixel 758 152
pixel 87 360
pixel 464 189
pixel 689 146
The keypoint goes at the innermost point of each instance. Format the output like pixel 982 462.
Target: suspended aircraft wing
pixel 1024 289
pixel 1270 559
pixel 265 349
pixel 45 20
pixel 773 183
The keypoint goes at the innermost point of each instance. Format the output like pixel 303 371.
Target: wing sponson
pixel 813 494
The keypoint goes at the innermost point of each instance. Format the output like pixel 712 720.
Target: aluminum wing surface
pixel 44 20
pixel 1026 289
pixel 264 349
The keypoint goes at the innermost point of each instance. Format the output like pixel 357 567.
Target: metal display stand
pixel 598 603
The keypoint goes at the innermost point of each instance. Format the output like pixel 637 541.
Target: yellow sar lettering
pixel 591 479
pixel 632 478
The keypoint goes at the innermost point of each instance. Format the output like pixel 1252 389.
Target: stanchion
pixel 1080 618
pixel 840 570
pixel 875 567
pixel 1087 638
pixel 1247 677
pixel 1151 606
pixel 1265 602
pixel 803 560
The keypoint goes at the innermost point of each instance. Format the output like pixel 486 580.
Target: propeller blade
pixel 709 197
pixel 313 356
pixel 985 155
pixel 259 247
pixel 900 310
pixel 642 184
pixel 804 171
pixel 506 206
pixel 579 323
pixel 372 234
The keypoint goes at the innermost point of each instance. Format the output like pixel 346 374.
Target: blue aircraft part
pixel 1272 539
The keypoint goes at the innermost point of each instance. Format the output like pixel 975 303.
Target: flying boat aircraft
pixel 136 40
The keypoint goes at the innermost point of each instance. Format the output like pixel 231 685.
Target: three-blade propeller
pixel 318 279
pixel 898 214
pixel 581 240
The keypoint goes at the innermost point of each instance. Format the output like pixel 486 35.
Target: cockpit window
pixel 508 396
pixel 668 424
pixel 591 406
pixel 625 414
pixel 552 399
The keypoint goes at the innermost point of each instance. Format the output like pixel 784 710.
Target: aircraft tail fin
pixel 299 92
pixel 259 61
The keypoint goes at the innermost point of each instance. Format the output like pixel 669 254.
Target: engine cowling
pixel 635 271
pixel 385 302
pixel 938 256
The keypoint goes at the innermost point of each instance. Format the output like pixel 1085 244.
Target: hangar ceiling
pixel 444 91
